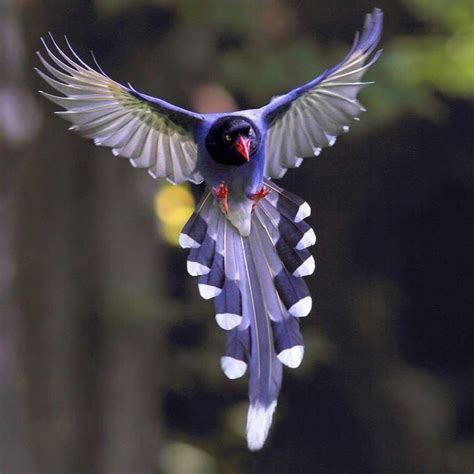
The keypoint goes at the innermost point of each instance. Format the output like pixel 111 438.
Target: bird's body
pixel 243 180
pixel 247 236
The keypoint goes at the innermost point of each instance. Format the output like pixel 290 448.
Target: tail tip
pixel 292 357
pixel 233 368
pixel 304 211
pixel 208 291
pixel 259 420
pixel 302 307
pixel 307 240
pixel 228 321
pixel 306 268
pixel 186 242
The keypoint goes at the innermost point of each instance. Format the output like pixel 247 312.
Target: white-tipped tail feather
pixel 208 291
pixel 233 368
pixel 196 269
pixel 306 268
pixel 259 420
pixel 303 212
pixel 308 239
pixel 292 357
pixel 302 307
pixel 187 242
pixel 228 321
pixel 255 275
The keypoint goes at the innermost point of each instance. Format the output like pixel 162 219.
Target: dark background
pixel 109 359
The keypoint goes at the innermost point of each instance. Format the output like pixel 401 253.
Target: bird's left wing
pixel 150 132
pixel 313 115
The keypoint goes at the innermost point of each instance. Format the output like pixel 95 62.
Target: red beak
pixel 242 145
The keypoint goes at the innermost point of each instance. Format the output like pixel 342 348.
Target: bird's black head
pixel 232 140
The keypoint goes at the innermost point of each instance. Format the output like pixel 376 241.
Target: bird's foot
pixel 220 193
pixel 256 197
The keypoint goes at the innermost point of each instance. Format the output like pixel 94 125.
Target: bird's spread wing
pixel 150 132
pixel 312 116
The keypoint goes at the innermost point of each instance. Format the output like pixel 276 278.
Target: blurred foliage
pixel 441 59
pixel 444 58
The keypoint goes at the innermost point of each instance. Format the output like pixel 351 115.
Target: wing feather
pixel 150 132
pixel 312 116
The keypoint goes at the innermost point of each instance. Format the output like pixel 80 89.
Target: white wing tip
pixel 208 291
pixel 152 174
pixel 308 239
pixel 303 212
pixel 298 162
pixel 228 321
pixel 259 420
pixel 292 357
pixel 233 368
pixel 331 139
pixel 302 307
pixel 279 173
pixel 306 268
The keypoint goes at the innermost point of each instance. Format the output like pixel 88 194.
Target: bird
pixel 248 238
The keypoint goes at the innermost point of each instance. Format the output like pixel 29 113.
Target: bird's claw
pixel 220 193
pixel 259 195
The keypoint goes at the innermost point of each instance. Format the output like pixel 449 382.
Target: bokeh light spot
pixel 173 207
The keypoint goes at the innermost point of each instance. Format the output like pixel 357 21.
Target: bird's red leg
pixel 220 193
pixel 256 197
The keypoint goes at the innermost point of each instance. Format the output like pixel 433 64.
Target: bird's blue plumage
pixel 248 237
pixel 241 181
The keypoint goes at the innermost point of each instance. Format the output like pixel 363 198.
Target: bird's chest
pixel 240 180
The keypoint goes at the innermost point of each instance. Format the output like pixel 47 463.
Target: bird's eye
pixel 227 137
pixel 250 133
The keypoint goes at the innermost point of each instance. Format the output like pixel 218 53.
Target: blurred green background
pixel 109 359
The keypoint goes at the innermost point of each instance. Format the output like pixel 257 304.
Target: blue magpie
pixel 248 238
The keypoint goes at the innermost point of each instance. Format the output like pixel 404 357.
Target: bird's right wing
pixel 152 133
pixel 310 117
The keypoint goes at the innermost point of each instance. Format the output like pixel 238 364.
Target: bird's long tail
pixel 259 293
